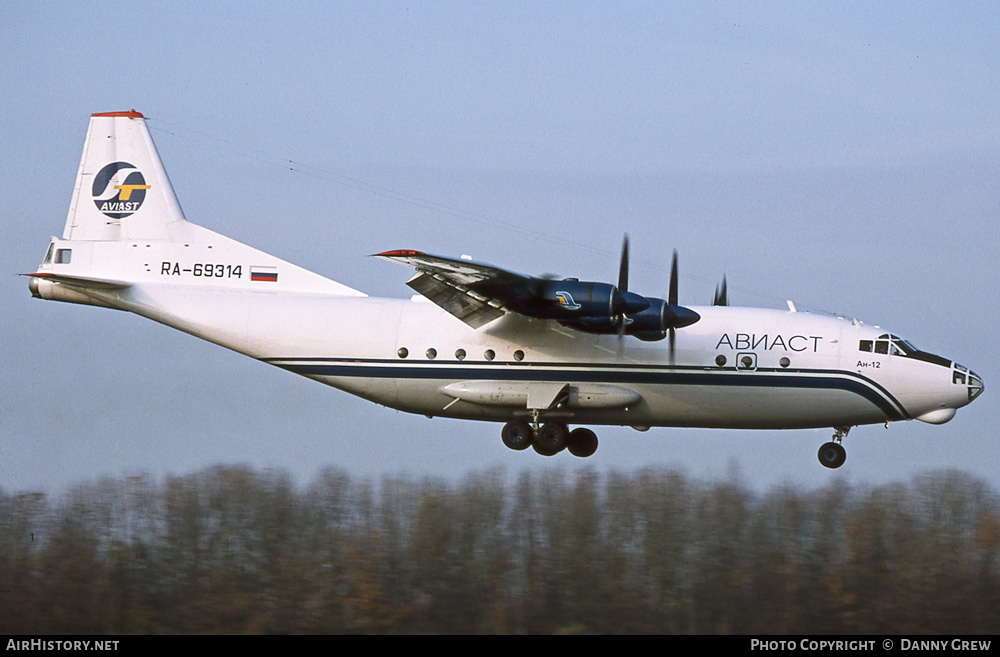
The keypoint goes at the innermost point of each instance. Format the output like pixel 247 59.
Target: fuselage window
pixel 63 256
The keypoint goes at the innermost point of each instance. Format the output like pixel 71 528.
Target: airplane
pixel 479 342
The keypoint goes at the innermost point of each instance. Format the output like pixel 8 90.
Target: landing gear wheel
pixel 832 455
pixel 581 442
pixel 550 439
pixel 516 435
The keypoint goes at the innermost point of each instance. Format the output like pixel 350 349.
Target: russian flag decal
pixel 268 274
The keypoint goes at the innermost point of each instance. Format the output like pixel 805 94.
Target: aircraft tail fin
pixel 125 229
pixel 122 191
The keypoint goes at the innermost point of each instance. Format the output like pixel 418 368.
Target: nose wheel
pixel 832 454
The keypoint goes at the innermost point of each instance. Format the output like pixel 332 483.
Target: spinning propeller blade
pixel 672 301
pixel 676 316
pixel 623 267
pixel 721 295
pixel 672 297
pixel 623 287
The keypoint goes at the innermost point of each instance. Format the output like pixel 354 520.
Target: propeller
pixel 676 316
pixel 721 295
pixel 624 302
pixel 672 297
pixel 623 267
pixel 672 301
pixel 665 316
pixel 622 287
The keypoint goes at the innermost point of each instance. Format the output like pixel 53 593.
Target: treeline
pixel 237 550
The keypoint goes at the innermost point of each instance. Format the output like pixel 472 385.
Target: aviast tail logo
pixel 119 190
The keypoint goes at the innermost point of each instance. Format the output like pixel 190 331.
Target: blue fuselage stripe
pixel 650 375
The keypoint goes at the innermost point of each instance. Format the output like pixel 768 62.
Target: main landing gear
pixel 549 439
pixel 832 454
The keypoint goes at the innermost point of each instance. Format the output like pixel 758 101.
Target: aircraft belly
pixel 738 401
pixel 754 407
pixel 378 390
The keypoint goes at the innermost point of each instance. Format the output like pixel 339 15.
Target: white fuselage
pixel 735 368
pixel 804 370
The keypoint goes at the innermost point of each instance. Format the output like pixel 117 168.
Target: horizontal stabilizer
pixel 82 281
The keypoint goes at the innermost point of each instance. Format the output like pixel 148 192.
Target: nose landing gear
pixel 549 439
pixel 832 454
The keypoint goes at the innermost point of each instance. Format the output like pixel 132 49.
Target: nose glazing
pixel 976 386
pixel 973 382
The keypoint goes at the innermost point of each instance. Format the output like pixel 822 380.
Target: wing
pixel 476 293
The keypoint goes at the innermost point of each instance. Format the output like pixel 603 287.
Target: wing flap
pixel 473 309
pixel 464 288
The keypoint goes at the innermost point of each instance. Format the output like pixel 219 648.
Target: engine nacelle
pixel 594 306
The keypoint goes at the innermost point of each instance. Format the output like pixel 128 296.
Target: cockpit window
pixel 887 343
pixel 893 345
pixel 904 346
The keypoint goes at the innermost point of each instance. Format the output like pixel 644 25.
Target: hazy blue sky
pixel 843 155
